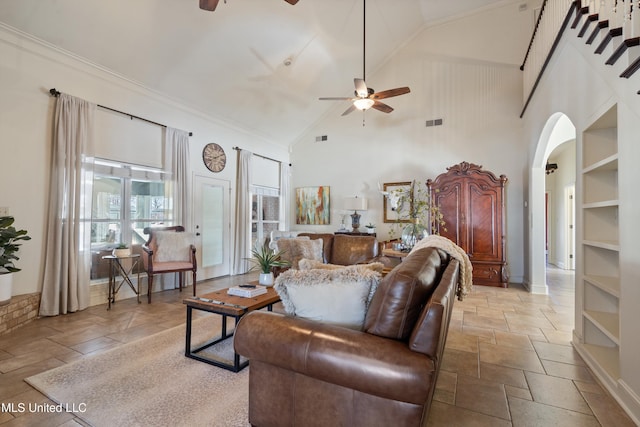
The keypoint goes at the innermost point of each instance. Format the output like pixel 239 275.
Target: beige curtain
pixel 285 196
pixel 178 190
pixel 65 286
pixel 243 214
pixel 178 163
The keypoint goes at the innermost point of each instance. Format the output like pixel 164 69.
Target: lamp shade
pixel 363 103
pixel 355 204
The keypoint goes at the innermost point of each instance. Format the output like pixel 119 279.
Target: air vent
pixel 321 138
pixel 434 122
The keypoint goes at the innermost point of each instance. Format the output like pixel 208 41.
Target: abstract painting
pixel 312 205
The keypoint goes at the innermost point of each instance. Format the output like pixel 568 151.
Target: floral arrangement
pixel 424 217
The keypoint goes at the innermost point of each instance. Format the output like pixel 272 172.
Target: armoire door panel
pixel 483 239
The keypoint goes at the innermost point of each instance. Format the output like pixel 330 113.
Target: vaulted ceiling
pixel 258 64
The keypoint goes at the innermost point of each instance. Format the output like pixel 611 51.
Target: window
pixel 265 213
pixel 126 199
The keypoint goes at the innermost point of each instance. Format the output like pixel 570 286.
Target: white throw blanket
pixel 465 282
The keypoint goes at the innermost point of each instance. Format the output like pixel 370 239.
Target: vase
pixel 6 288
pixel 412 234
pixel 122 253
pixel 266 279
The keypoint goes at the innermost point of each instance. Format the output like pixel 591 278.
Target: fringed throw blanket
pixel 465 282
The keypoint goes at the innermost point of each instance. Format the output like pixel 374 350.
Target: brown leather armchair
pixel 178 257
pixel 307 373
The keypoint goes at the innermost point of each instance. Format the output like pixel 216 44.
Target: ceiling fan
pixel 366 97
pixel 211 5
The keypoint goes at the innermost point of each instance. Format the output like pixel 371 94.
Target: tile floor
pixel 508 359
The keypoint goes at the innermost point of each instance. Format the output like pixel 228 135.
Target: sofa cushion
pixel 402 294
pixel 293 250
pixel 339 297
pixel 310 264
pixel 348 250
pixel 430 331
pixel 172 246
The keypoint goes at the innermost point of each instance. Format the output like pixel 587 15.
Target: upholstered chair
pixel 169 250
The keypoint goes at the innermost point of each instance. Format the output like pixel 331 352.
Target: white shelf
pixel 607 164
pixel 602 204
pixel 610 245
pixel 610 285
pixel 607 323
pixel 601 284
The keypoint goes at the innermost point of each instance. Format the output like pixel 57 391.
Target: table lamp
pixel 355 204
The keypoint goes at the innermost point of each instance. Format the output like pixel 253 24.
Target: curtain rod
pixel 56 93
pixel 259 155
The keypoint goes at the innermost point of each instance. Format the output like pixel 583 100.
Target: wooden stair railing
pixel 611 34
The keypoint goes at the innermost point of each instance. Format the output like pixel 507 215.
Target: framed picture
pixel 313 205
pixel 393 211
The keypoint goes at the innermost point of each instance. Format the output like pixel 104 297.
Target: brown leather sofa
pixel 306 373
pixel 343 249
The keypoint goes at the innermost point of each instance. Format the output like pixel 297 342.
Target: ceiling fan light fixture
pixel 363 103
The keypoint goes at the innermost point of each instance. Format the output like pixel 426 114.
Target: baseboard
pixel 618 389
pixel 536 288
pixel 630 402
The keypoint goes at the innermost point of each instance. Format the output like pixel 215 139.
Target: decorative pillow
pixel 296 249
pixel 172 246
pixel 310 264
pixel 340 297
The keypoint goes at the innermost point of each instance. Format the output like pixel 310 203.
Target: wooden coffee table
pixel 219 302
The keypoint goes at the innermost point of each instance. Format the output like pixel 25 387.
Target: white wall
pixel 579 84
pixel 28 69
pixel 479 102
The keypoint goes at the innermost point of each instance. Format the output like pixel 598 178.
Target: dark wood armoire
pixel 471 201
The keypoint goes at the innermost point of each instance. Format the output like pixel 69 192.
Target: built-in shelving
pixel 600 278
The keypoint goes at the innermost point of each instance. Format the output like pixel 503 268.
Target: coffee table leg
pixel 187 347
pixel 224 326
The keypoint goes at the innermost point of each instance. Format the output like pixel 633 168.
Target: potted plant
pixel 8 250
pixel 265 259
pixel 122 250
pixel 371 228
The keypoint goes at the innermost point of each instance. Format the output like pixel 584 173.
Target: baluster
pixel 635 19
pixel 604 7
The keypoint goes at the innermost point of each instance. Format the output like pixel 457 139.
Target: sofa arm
pixel 353 359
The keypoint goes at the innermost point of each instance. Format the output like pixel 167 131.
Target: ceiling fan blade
pixel 361 88
pixel 391 92
pixel 335 99
pixel 209 5
pixel 349 110
pixel 291 1
pixel 382 107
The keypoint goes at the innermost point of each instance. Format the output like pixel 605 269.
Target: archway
pixel 556 131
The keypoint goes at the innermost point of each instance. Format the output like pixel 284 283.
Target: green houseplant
pixel 9 247
pixel 265 259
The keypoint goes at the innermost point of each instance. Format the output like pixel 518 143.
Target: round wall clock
pixel 214 157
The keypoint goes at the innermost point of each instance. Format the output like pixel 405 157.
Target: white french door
pixel 212 226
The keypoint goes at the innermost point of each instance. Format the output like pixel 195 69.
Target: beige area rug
pixel 150 382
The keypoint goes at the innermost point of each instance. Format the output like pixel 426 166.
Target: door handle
pixel 197 234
